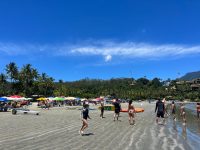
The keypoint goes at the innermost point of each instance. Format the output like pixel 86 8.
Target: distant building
pixel 194 84
pixel 195 87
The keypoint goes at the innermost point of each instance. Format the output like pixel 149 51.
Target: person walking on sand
pixel 131 111
pixel 173 110
pixel 117 108
pixel 198 110
pixel 182 113
pixel 160 109
pixel 84 117
pixel 102 109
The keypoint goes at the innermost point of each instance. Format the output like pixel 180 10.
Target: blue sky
pixel 102 39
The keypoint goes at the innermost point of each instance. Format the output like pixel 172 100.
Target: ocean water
pixel 190 130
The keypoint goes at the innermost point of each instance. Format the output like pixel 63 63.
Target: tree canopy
pixel 28 81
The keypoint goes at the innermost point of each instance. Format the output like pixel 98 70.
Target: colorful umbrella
pixel 42 99
pixel 2 99
pixel 16 98
pixel 59 99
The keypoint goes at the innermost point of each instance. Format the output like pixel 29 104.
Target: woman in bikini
pixel 131 111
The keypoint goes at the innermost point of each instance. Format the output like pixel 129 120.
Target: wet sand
pixel 58 128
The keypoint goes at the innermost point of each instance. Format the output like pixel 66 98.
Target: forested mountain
pixel 190 76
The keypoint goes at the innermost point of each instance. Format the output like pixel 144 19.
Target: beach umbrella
pixel 70 98
pixel 99 99
pixel 50 98
pixel 28 99
pixel 16 98
pixel 78 99
pixel 83 99
pixel 59 99
pixel 42 99
pixel 2 99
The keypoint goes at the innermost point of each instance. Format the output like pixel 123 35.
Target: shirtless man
pixel 117 108
pixel 173 109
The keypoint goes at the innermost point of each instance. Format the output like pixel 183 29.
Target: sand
pixel 58 128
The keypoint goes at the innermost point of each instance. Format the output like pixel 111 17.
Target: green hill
pixel 191 76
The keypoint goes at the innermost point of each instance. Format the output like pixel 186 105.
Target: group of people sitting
pixel 3 107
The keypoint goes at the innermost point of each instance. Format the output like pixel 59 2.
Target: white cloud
pixel 106 49
pixel 108 58
pixel 136 50
pixel 12 49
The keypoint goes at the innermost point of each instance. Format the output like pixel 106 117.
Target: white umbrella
pixel 83 99
pixel 70 98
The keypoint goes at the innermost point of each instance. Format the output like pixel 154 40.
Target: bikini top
pixel 131 107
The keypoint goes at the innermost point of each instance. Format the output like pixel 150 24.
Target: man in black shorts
pixel 160 108
pixel 117 108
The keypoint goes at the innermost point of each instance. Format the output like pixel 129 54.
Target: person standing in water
pixel 102 109
pixel 198 110
pixel 173 109
pixel 117 108
pixel 84 117
pixel 131 111
pixel 182 113
pixel 166 114
pixel 160 109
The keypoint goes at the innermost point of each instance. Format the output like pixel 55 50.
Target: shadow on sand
pixel 88 134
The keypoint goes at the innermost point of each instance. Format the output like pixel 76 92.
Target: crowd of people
pixel 161 110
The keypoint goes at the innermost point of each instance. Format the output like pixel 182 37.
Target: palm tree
pixel 12 72
pixel 3 81
pixel 35 74
pixel 45 84
pixel 28 76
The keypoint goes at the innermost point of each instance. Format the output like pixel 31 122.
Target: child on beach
pixel 198 110
pixel 182 113
pixel 160 108
pixel 173 110
pixel 102 109
pixel 131 111
pixel 84 116
pixel 117 108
